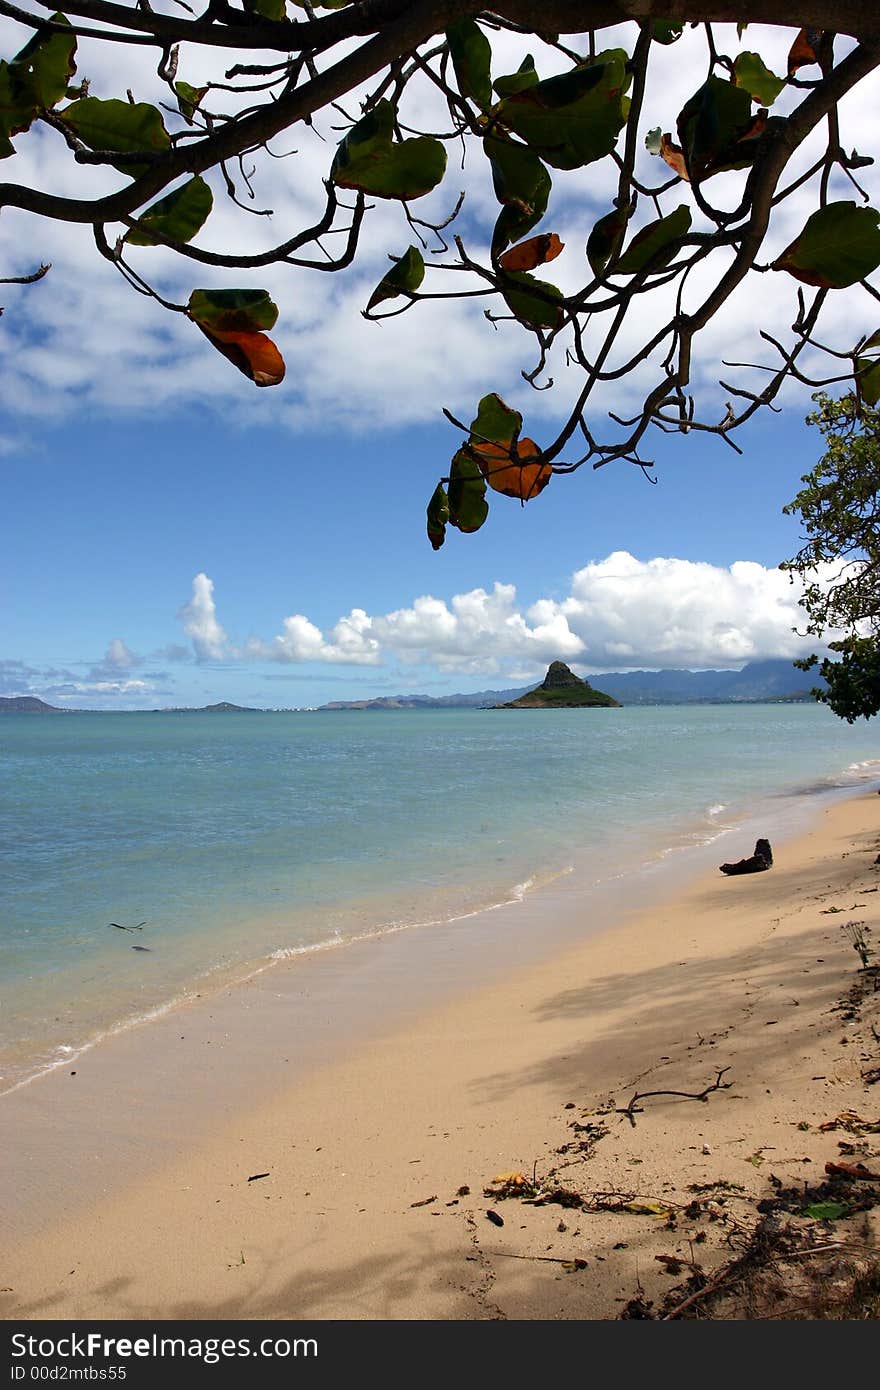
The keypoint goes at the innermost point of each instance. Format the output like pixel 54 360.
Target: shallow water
pixel 238 838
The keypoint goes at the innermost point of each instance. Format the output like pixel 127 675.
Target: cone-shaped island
pixel 561 689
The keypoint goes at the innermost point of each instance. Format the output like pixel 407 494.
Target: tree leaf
pixel 516 471
pixel 252 353
pixel 804 50
pixel 438 516
pixel 518 81
pixel 606 238
pixel 405 275
pixel 656 244
pixel 710 124
pixel 45 65
pixel 369 160
pixel 673 155
pixel 538 250
pixel 118 125
pixel 471 55
pixel 868 380
pixel 538 310
pixel 178 216
pixel 575 118
pixel 825 1211
pixel 34 80
pixel 750 72
pixel 188 99
pixel 234 311
pixel 268 9
pixel 666 31
pixel 522 184
pixel 468 507
pixel 839 245
pixel 495 421
pixel 16 111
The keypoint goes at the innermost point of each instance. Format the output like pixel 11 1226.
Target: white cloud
pixel 351 642
pixel 620 612
pixel 680 613
pixel 199 618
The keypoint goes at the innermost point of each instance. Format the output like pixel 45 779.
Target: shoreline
pixel 71 981
pixel 676 851
pixel 358 1216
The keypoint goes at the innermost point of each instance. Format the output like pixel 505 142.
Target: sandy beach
pixel 479 1154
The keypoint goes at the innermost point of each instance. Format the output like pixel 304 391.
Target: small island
pixel 562 689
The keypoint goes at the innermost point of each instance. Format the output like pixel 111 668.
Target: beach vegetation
pixel 839 563
pixel 387 103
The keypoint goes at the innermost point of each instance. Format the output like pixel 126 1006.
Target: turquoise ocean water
pixel 239 839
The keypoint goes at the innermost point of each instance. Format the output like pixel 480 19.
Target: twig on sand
pixel 633 1108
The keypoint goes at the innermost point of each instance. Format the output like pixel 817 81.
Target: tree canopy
pixel 839 563
pixel 404 93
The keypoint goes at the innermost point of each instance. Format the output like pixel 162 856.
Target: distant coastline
pixel 773 681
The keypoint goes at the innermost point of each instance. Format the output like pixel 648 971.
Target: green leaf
pixel 839 246
pixel 34 80
pixel 653 140
pixel 518 81
pixel 606 238
pixel 471 55
pixel 44 66
pixel 522 184
pixel 118 125
pixel 496 421
pixel 826 1211
pixel 178 216
pixel 16 111
pixel 531 308
pixel 405 275
pixel 267 9
pixel 656 244
pixel 666 31
pixel 710 125
pixel 438 516
pixel 233 311
pixel 188 99
pixel 575 118
pixel 368 159
pixel 468 507
pixel 751 73
pixel 869 380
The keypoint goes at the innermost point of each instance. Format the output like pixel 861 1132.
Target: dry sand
pixel 362 1213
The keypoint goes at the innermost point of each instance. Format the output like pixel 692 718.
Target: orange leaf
pixel 757 125
pixel 803 50
pixel 536 251
pixel 503 470
pixel 252 353
pixel 674 156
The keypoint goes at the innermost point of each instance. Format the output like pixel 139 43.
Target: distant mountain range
pixel 758 681
pixel 27 704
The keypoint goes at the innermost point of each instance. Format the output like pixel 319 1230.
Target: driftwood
pixel 760 860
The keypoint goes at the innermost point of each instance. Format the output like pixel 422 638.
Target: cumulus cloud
pixel 620 612
pixel 477 631
pixel 118 660
pixel 351 642
pixel 682 613
pixel 199 618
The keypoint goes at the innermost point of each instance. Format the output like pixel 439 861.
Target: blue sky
pixel 137 464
